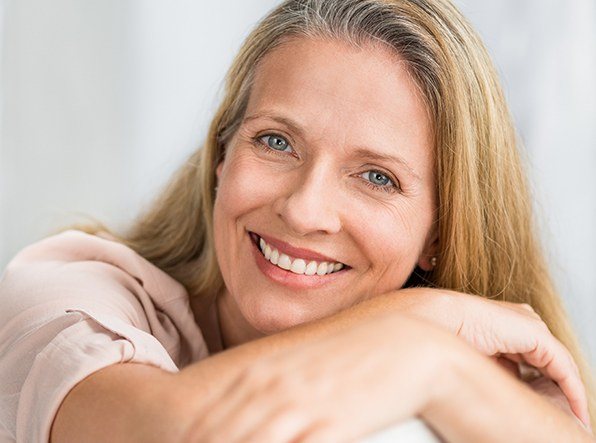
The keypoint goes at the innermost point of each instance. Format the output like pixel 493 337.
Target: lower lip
pixel 290 279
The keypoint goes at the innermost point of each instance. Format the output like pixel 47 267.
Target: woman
pixel 359 181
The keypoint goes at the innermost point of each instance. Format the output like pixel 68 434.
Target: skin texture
pixel 284 397
pixel 315 194
pixel 372 342
pixel 312 192
pixel 270 387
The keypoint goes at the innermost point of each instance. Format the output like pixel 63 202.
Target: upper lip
pixel 295 252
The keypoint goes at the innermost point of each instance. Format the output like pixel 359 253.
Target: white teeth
pixel 298 265
pixel 274 256
pixel 284 262
pixel 322 269
pixel 311 268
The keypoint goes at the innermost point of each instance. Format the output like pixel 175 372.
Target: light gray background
pixel 102 99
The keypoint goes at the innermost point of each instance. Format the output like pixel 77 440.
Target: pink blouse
pixel 73 304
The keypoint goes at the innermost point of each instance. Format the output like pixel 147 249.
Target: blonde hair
pixel 488 243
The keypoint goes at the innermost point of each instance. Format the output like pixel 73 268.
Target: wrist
pixel 437 306
pixel 456 363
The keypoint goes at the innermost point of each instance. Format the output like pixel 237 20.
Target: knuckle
pixel 529 309
pixel 543 356
pixel 542 326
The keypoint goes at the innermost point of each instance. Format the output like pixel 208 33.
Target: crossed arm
pixel 390 358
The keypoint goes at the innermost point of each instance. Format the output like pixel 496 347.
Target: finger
pixel 550 390
pixel 553 360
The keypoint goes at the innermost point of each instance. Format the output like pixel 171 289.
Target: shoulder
pixel 78 272
pixel 81 257
pixel 74 303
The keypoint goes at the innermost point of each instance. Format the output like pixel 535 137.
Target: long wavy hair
pixel 488 242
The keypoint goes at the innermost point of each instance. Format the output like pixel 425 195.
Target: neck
pixel 234 328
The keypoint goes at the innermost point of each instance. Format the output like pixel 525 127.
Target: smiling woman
pixel 309 166
pixel 351 248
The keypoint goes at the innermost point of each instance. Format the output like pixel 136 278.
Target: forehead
pixel 358 96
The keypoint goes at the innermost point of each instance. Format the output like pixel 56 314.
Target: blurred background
pixel 100 100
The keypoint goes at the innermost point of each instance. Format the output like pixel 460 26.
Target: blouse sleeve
pixel 73 304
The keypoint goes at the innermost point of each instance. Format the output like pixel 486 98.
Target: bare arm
pixel 140 403
pixel 131 400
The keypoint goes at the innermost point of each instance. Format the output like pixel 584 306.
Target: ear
pixel 218 170
pixel 431 249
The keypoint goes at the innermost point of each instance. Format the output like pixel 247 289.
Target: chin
pixel 269 319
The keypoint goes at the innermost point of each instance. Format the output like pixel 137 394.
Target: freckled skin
pixel 313 194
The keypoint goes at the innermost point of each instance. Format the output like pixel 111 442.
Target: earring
pixel 215 189
pixel 433 261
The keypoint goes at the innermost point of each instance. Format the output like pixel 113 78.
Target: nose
pixel 310 204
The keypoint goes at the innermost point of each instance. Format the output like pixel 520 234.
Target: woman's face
pixel 332 164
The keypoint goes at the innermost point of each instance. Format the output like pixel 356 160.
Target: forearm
pixel 133 402
pixel 121 403
pixel 225 366
pixel 119 400
pixel 485 403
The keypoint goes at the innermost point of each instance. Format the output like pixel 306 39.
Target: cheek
pixel 242 190
pixel 393 239
pixel 245 183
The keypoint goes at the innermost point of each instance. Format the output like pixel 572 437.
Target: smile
pixel 296 265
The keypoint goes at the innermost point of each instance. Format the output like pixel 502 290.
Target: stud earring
pixel 433 261
pixel 215 189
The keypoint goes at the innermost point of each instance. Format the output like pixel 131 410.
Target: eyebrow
pixel 361 152
pixel 283 120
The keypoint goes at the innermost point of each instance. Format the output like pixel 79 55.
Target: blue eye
pixel 377 178
pixel 379 181
pixel 276 142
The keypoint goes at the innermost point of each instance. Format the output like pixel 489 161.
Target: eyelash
pixel 257 142
pixel 388 189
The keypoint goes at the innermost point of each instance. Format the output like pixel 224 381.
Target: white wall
pixel 66 127
pixel 102 99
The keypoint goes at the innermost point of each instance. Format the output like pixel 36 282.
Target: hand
pixel 348 385
pixel 502 330
pixel 549 390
